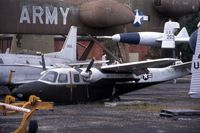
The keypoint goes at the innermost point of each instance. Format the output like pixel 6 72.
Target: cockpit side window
pixel 1 61
pixel 76 78
pixel 50 76
pixel 63 78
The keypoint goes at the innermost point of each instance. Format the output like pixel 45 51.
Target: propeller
pixel 87 73
pixel 90 65
pixel 43 60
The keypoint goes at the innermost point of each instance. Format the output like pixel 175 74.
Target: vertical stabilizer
pixel 7 51
pixel 68 50
pixel 183 33
pixel 195 81
pixel 168 35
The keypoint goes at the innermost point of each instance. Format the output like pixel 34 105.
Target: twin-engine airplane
pixel 71 85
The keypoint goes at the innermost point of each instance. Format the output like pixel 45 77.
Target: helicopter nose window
pixel 63 78
pixel 50 77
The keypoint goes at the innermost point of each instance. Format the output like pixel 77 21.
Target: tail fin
pixel 182 36
pixel 195 84
pixel 168 36
pixel 68 50
pixel 7 51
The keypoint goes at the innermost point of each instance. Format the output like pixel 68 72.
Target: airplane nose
pixel 24 91
pixel 17 92
pixel 116 37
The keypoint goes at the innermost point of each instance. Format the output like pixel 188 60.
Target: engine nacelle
pixel 176 7
pixel 93 75
pixel 105 13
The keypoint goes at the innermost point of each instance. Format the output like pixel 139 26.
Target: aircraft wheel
pixel 33 126
pixel 115 99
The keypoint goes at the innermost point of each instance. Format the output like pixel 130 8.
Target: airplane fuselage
pixel 14 67
pixel 69 86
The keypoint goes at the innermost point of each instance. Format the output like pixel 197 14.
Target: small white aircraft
pixel 20 68
pixel 69 85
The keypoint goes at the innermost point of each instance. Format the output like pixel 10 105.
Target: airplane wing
pixel 79 63
pixel 183 65
pixel 27 65
pixel 139 67
pixel 23 82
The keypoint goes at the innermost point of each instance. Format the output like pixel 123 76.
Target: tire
pixel 115 99
pixel 33 126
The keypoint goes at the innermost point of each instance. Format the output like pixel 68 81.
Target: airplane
pixel 96 17
pixel 72 85
pixel 21 68
pixel 165 39
pixel 194 91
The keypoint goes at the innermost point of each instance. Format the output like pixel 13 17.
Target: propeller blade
pixel 90 65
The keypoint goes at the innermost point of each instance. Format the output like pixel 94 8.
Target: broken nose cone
pixel 105 13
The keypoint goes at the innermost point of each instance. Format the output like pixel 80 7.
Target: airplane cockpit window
pixel 50 76
pixel 63 78
pixel 1 61
pixel 76 78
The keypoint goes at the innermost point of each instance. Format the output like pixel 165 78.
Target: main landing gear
pixel 114 97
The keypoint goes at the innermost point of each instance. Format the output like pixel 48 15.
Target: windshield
pixel 50 76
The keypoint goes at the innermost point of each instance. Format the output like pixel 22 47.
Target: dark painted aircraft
pixel 96 17
pixel 71 85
